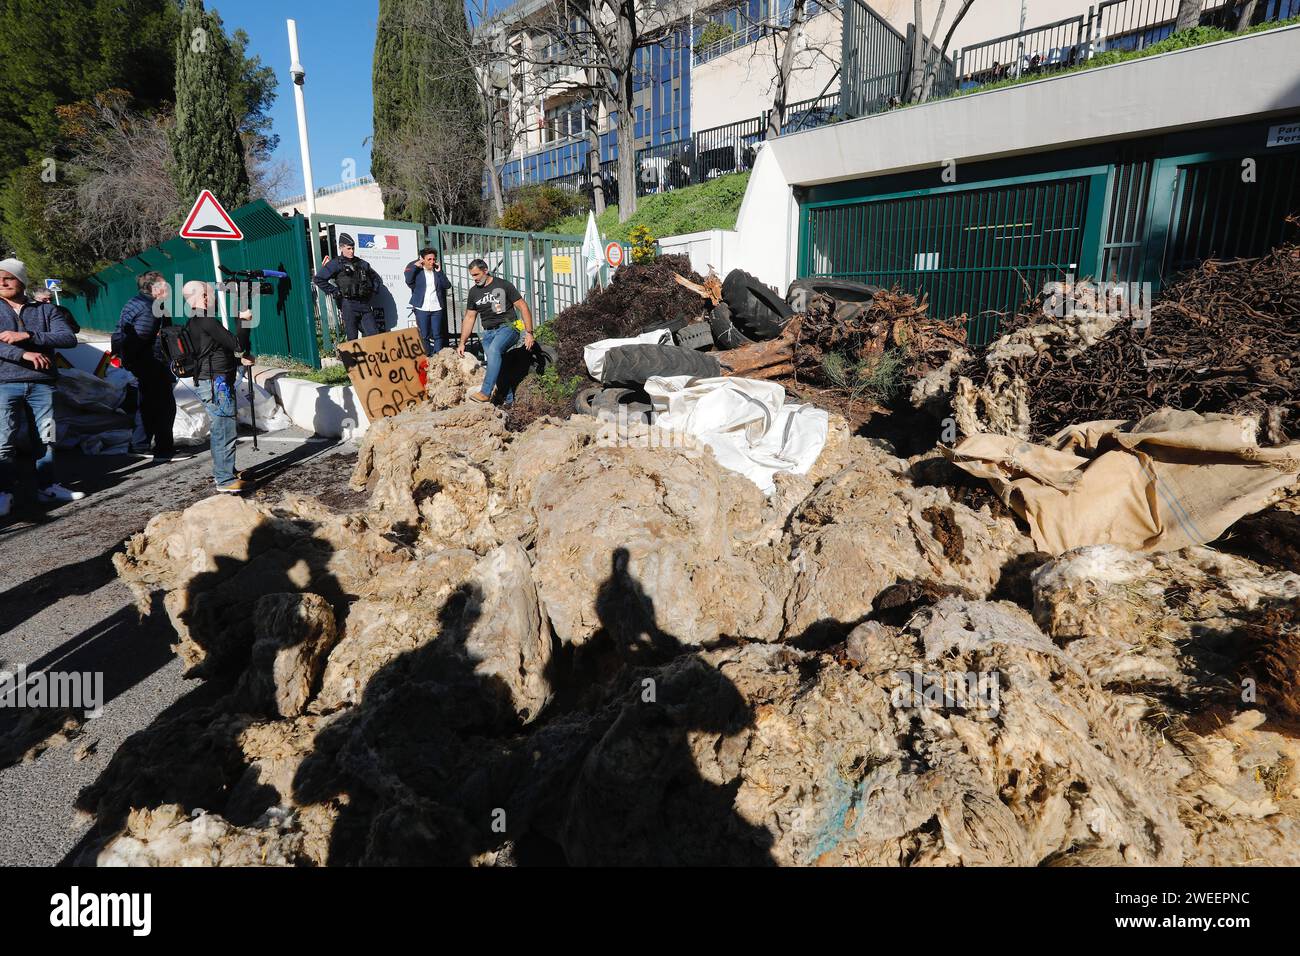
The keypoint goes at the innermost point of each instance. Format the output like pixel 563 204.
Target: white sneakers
pixel 55 494
pixel 58 493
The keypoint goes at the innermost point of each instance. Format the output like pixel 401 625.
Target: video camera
pixel 264 288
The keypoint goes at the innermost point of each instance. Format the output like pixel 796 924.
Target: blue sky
pixel 336 42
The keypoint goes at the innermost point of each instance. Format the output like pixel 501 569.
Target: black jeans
pixel 361 318
pixel 157 402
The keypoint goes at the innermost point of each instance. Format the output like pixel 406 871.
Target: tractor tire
pixel 755 309
pixel 631 365
pixel 582 402
pixel 725 334
pixel 841 290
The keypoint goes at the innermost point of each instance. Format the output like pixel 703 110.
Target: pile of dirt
pixel 1222 338
pixel 565 644
pixel 639 295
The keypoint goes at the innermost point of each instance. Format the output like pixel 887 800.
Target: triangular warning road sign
pixel 207 220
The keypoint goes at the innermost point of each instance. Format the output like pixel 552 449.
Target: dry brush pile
pixel 545 645
pixel 1223 338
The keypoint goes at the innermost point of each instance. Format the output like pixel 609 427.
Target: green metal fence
pixel 1222 210
pixel 271 241
pixel 978 252
pixel 547 268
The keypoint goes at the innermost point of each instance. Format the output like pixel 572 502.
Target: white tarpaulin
pixel 191 426
pixel 746 422
pixel 270 416
pixel 594 354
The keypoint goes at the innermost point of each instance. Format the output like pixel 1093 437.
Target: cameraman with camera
pixel 353 283
pixel 214 357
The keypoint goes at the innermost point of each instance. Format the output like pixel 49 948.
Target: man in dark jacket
pixel 429 286
pixel 45 297
pixel 136 343
pixel 219 354
pixel 29 334
pixel 351 281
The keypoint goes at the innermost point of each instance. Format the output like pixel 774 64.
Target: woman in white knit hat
pixel 30 332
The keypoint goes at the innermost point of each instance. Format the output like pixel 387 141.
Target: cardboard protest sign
pixel 388 370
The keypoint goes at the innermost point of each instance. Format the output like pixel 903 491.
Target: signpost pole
pixel 221 295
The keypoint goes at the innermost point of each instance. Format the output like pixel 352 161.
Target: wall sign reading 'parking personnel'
pixel 388 371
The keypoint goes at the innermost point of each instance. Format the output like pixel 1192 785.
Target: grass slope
pixel 711 205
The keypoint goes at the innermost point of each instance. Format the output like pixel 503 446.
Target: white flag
pixel 592 248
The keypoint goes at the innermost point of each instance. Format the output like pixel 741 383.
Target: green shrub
pixel 875 379
pixel 711 205
pixel 539 208
pixel 712 33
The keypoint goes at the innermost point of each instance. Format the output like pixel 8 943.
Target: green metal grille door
pixel 982 253
pixel 1223 210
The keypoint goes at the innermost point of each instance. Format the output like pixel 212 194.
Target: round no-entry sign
pixel 614 255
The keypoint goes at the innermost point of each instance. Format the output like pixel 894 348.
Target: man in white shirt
pixel 429 285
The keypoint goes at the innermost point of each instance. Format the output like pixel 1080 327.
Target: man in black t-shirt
pixel 494 302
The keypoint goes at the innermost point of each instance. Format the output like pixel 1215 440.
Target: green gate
pixel 547 268
pixel 980 252
pixel 285 326
pixel 1227 209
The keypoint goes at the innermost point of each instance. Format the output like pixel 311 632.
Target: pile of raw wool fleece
pixel 569 645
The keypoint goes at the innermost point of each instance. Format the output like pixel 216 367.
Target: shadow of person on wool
pixel 191 753
pixel 634 794
pixel 419 768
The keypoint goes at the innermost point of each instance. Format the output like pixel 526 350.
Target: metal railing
pixel 1039 50
pixel 811 113
pixel 753 31
pixel 875 63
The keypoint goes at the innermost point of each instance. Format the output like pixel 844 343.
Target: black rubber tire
pixel 626 404
pixel 544 355
pixel 694 335
pixel 725 334
pixel 631 365
pixel 841 290
pixel 582 402
pixel 672 325
pixel 755 309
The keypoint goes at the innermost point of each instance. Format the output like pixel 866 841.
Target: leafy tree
pixel 55 54
pixel 253 91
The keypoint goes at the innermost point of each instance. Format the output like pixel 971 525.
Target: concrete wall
pixel 986 20
pixel 1213 84
pixel 1199 87
pixel 364 201
pixel 740 84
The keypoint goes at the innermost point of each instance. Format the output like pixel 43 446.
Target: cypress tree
pixel 206 144
pixel 422 88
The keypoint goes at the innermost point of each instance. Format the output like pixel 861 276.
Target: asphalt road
pixel 63 609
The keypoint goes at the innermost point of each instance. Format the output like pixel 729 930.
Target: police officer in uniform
pixel 353 283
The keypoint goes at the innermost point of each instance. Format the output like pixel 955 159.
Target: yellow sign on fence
pixel 562 265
